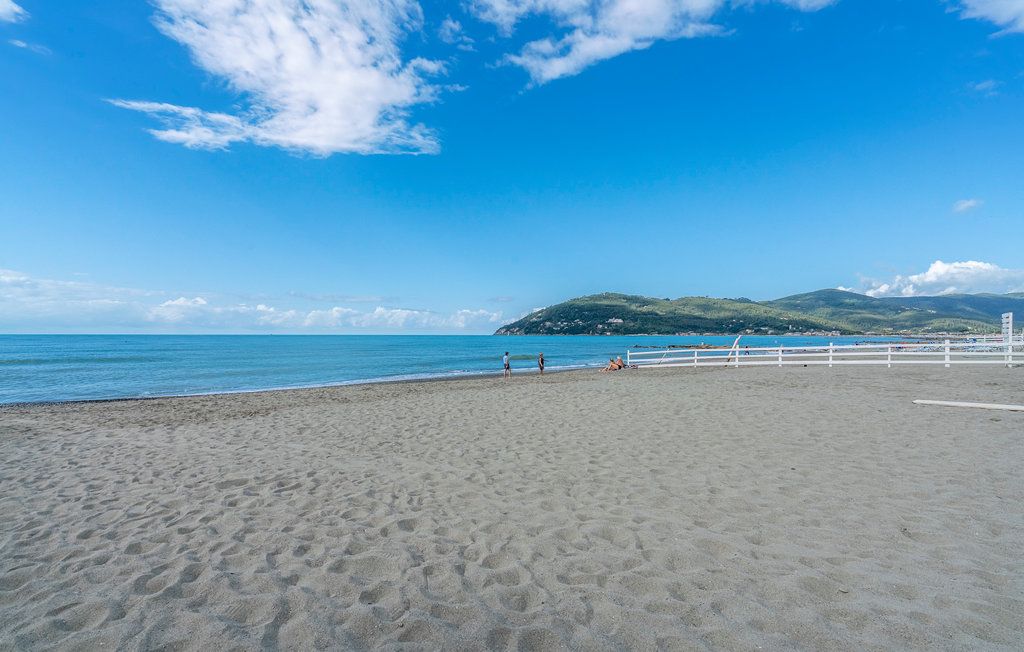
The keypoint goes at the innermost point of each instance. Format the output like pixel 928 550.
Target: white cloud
pixel 965 205
pixel 27 299
pixel 465 318
pixel 320 76
pixel 986 87
pixel 200 312
pixel 808 5
pixel 177 310
pixel 190 126
pixel 401 318
pixel 331 318
pixel 1008 14
pixel 32 47
pixel 11 12
pixel 452 33
pixel 270 316
pixel 29 303
pixel 970 276
pixel 588 32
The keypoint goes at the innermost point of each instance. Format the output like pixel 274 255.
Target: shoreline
pixel 46 369
pixel 448 377
pixel 399 380
pixel 120 370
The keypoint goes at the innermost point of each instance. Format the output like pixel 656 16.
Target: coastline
pixel 637 509
pixel 60 368
pixel 424 378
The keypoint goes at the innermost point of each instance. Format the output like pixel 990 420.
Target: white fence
pixel 946 353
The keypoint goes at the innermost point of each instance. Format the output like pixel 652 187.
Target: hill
pixel 620 314
pixel 823 310
pixel 962 313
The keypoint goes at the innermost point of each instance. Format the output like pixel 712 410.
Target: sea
pixel 35 368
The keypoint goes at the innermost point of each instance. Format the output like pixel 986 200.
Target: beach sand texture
pixel 656 509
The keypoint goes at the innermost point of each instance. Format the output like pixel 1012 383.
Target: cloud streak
pixel 986 87
pixel 1008 14
pixel 588 32
pixel 319 76
pixel 31 47
pixel 969 276
pixel 32 303
pixel 11 12
pixel 966 205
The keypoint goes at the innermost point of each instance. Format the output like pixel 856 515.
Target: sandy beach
pixel 763 508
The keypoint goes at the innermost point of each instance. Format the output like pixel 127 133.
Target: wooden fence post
pixel 780 355
pixel 947 353
pixel 888 356
pixel 830 355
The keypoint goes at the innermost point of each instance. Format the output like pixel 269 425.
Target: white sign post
pixel 1008 337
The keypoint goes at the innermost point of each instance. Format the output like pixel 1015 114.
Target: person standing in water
pixel 540 363
pixel 508 367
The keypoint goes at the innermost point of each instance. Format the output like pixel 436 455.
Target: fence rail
pixel 946 353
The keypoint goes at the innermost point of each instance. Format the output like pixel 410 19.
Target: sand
pixel 656 509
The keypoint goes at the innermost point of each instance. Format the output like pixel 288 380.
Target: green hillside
pixel 823 310
pixel 619 314
pixel 967 313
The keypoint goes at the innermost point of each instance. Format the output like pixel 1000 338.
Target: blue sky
pixel 358 166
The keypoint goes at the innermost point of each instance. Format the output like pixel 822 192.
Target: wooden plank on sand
pixel 985 406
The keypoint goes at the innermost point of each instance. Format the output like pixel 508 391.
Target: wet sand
pixel 796 508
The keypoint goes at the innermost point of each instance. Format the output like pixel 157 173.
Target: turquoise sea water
pixel 80 367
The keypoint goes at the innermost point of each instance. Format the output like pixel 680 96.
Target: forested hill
pixel 823 310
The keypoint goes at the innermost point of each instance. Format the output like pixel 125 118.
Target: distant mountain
pixel 824 310
pixel 967 313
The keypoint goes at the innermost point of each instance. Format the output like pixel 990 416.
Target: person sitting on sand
pixel 620 363
pixel 611 365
